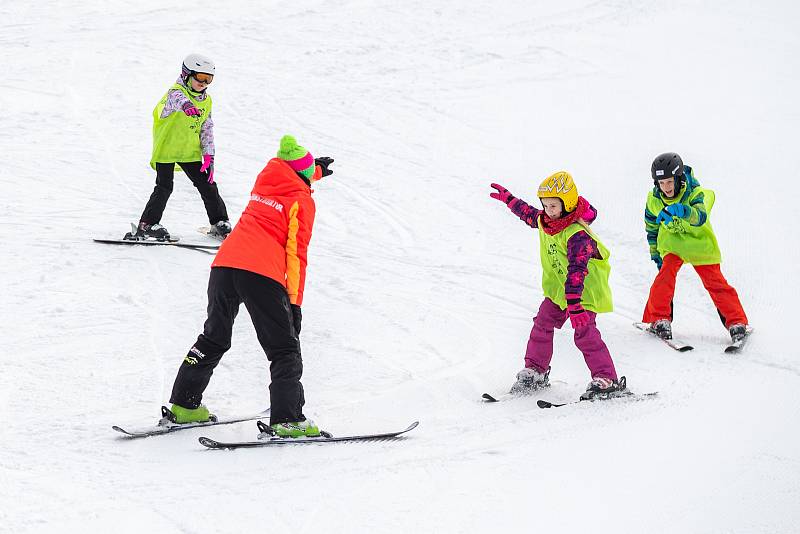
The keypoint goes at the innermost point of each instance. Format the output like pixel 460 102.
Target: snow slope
pixel 421 288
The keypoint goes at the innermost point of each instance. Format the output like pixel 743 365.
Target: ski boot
pixel 180 415
pixel 220 229
pixel 604 388
pixel 738 332
pixel 529 380
pixel 154 231
pixel 299 429
pixel 662 328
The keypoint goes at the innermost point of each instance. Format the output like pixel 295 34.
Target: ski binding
pixel 737 346
pixel 488 397
pixel 210 232
pixel 678 345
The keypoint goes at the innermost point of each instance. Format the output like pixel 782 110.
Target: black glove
pixel 297 318
pixel 323 162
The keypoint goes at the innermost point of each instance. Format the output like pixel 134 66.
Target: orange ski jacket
pixel 272 235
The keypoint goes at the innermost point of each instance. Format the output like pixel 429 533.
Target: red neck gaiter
pixel 554 226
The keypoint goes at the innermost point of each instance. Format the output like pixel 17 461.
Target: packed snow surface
pixel 421 289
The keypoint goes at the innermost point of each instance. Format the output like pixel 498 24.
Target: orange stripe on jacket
pixel 293 267
pixel 273 233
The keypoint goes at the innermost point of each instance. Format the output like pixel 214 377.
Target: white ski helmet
pixel 196 63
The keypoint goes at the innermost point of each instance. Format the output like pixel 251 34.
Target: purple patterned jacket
pixel 580 247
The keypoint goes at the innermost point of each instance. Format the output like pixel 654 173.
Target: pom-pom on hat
pixel 297 157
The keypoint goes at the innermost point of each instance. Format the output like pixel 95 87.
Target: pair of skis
pixel 680 346
pixel 168 425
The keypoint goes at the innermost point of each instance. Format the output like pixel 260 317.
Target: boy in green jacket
pixel 678 232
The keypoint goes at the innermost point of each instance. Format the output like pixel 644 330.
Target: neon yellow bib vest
pixel 693 244
pixel 177 136
pixel 553 252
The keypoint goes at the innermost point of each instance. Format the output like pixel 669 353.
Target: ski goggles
pixel 202 77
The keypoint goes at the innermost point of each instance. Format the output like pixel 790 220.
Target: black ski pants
pixel 165 173
pixel 268 304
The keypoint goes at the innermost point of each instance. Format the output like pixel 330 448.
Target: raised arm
pixel 527 213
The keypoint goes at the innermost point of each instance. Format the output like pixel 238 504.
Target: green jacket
pixel 691 238
pixel 553 252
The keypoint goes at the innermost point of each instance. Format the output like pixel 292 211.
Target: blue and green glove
pixel 678 210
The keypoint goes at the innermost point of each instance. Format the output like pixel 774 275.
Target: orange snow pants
pixel 661 292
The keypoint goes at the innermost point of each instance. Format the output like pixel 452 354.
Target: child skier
pixel 678 229
pixel 574 280
pixel 183 135
pixel 262 263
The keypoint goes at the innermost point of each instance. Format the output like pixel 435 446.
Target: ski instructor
pixel 262 263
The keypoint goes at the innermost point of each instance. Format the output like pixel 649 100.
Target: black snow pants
pixel 165 172
pixel 268 304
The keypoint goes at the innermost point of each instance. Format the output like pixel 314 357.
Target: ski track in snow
pixel 421 289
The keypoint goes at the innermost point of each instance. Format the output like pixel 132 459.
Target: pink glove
pixel 208 166
pixel 502 194
pixel 190 110
pixel 577 315
pixel 588 214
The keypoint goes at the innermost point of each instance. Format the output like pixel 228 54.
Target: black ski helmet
pixel 668 165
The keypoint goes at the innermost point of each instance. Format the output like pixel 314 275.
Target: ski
pixel 488 397
pixel 326 437
pixel 176 243
pixel 167 424
pixel 543 404
pixel 680 346
pixel 622 393
pixel 737 346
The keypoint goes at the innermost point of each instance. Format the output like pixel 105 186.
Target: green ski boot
pixel 188 415
pixel 300 429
